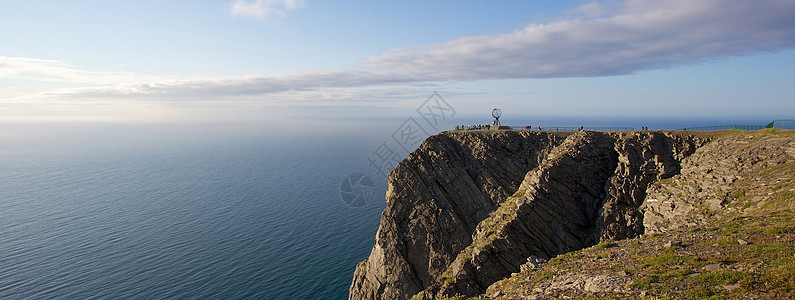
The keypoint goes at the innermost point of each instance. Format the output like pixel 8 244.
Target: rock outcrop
pixel 706 181
pixel 436 198
pixel 723 227
pixel 467 209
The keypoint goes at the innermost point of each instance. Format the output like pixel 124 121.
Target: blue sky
pixel 232 60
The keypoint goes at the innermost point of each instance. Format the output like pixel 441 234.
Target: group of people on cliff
pixel 473 127
pixel 486 127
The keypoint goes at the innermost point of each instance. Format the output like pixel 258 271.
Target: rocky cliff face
pixel 722 228
pixel 467 209
pixel 436 198
pixel 707 180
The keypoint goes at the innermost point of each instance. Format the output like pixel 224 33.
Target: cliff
pixel 478 213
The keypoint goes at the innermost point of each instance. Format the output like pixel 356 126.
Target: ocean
pixel 147 212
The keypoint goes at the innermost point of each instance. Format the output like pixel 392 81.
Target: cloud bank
pixel 596 39
pixel 634 36
pixel 261 9
pixel 47 70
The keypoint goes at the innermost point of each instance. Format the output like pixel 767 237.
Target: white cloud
pixel 260 9
pixel 315 87
pixel 21 68
pixel 636 35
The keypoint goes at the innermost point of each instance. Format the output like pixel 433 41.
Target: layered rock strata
pixel 707 180
pixel 468 208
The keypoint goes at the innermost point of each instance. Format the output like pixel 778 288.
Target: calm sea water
pixel 153 214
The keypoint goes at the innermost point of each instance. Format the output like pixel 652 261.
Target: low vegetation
pixel 744 250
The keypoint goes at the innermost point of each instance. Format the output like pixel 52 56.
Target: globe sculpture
pixel 496 113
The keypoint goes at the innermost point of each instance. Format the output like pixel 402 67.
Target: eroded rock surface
pixel 706 180
pixel 730 198
pixel 435 199
pixel 469 208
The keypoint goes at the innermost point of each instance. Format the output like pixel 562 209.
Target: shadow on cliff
pixel 466 209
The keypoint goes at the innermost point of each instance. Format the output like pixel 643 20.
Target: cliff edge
pixel 478 214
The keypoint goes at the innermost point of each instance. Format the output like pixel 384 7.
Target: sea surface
pixel 181 213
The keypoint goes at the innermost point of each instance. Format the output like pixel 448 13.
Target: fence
pixel 569 128
pixel 777 124
pixel 782 124
pixel 725 127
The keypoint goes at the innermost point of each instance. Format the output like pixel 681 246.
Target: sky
pixel 325 61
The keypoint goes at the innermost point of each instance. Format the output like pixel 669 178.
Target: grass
pixel 645 283
pixel 667 258
pixel 782 277
pixel 556 261
pixel 723 241
pixel 774 254
pixel 766 212
pixel 761 210
pixel 732 227
pixel 704 293
pixel 604 245
pixel 778 132
pixel 500 217
pixel 546 275
pixel 722 277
